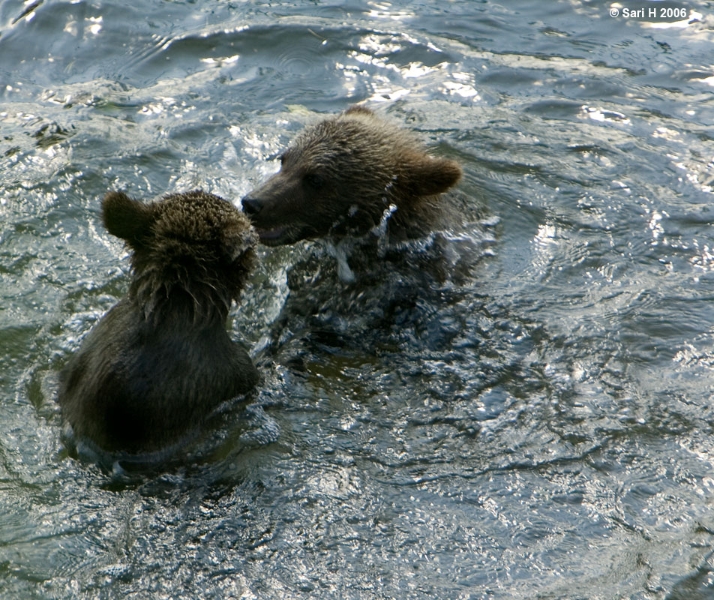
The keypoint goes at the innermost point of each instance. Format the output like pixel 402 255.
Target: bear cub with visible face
pixel 348 175
pixel 161 360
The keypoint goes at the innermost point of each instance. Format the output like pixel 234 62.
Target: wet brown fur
pixel 161 359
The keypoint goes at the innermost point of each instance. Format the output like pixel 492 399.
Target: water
pixel 544 432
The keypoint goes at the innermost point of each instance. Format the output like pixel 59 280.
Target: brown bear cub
pixel 350 175
pixel 161 360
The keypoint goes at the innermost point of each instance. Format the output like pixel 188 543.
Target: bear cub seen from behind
pixel 352 174
pixel 161 359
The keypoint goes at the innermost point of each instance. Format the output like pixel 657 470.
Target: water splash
pixel 381 230
pixel 339 253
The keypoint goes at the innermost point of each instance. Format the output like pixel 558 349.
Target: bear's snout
pixel 251 206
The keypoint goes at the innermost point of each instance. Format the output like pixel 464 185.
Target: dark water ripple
pixel 543 430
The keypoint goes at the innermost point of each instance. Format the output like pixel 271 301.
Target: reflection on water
pixel 539 426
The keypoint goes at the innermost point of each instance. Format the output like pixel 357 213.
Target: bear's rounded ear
pixel 431 176
pixel 125 218
pixel 358 109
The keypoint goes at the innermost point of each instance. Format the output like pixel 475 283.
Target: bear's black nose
pixel 251 206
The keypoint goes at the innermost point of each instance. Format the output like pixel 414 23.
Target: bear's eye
pixel 313 180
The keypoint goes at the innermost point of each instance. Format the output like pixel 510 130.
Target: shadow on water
pixel 539 427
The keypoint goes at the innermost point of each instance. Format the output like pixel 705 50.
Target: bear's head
pixel 193 247
pixel 340 176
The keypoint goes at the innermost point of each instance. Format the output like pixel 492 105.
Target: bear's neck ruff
pixel 163 295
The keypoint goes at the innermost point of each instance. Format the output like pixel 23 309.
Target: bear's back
pixel 136 388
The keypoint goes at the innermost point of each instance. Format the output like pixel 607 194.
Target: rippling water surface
pixel 541 430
